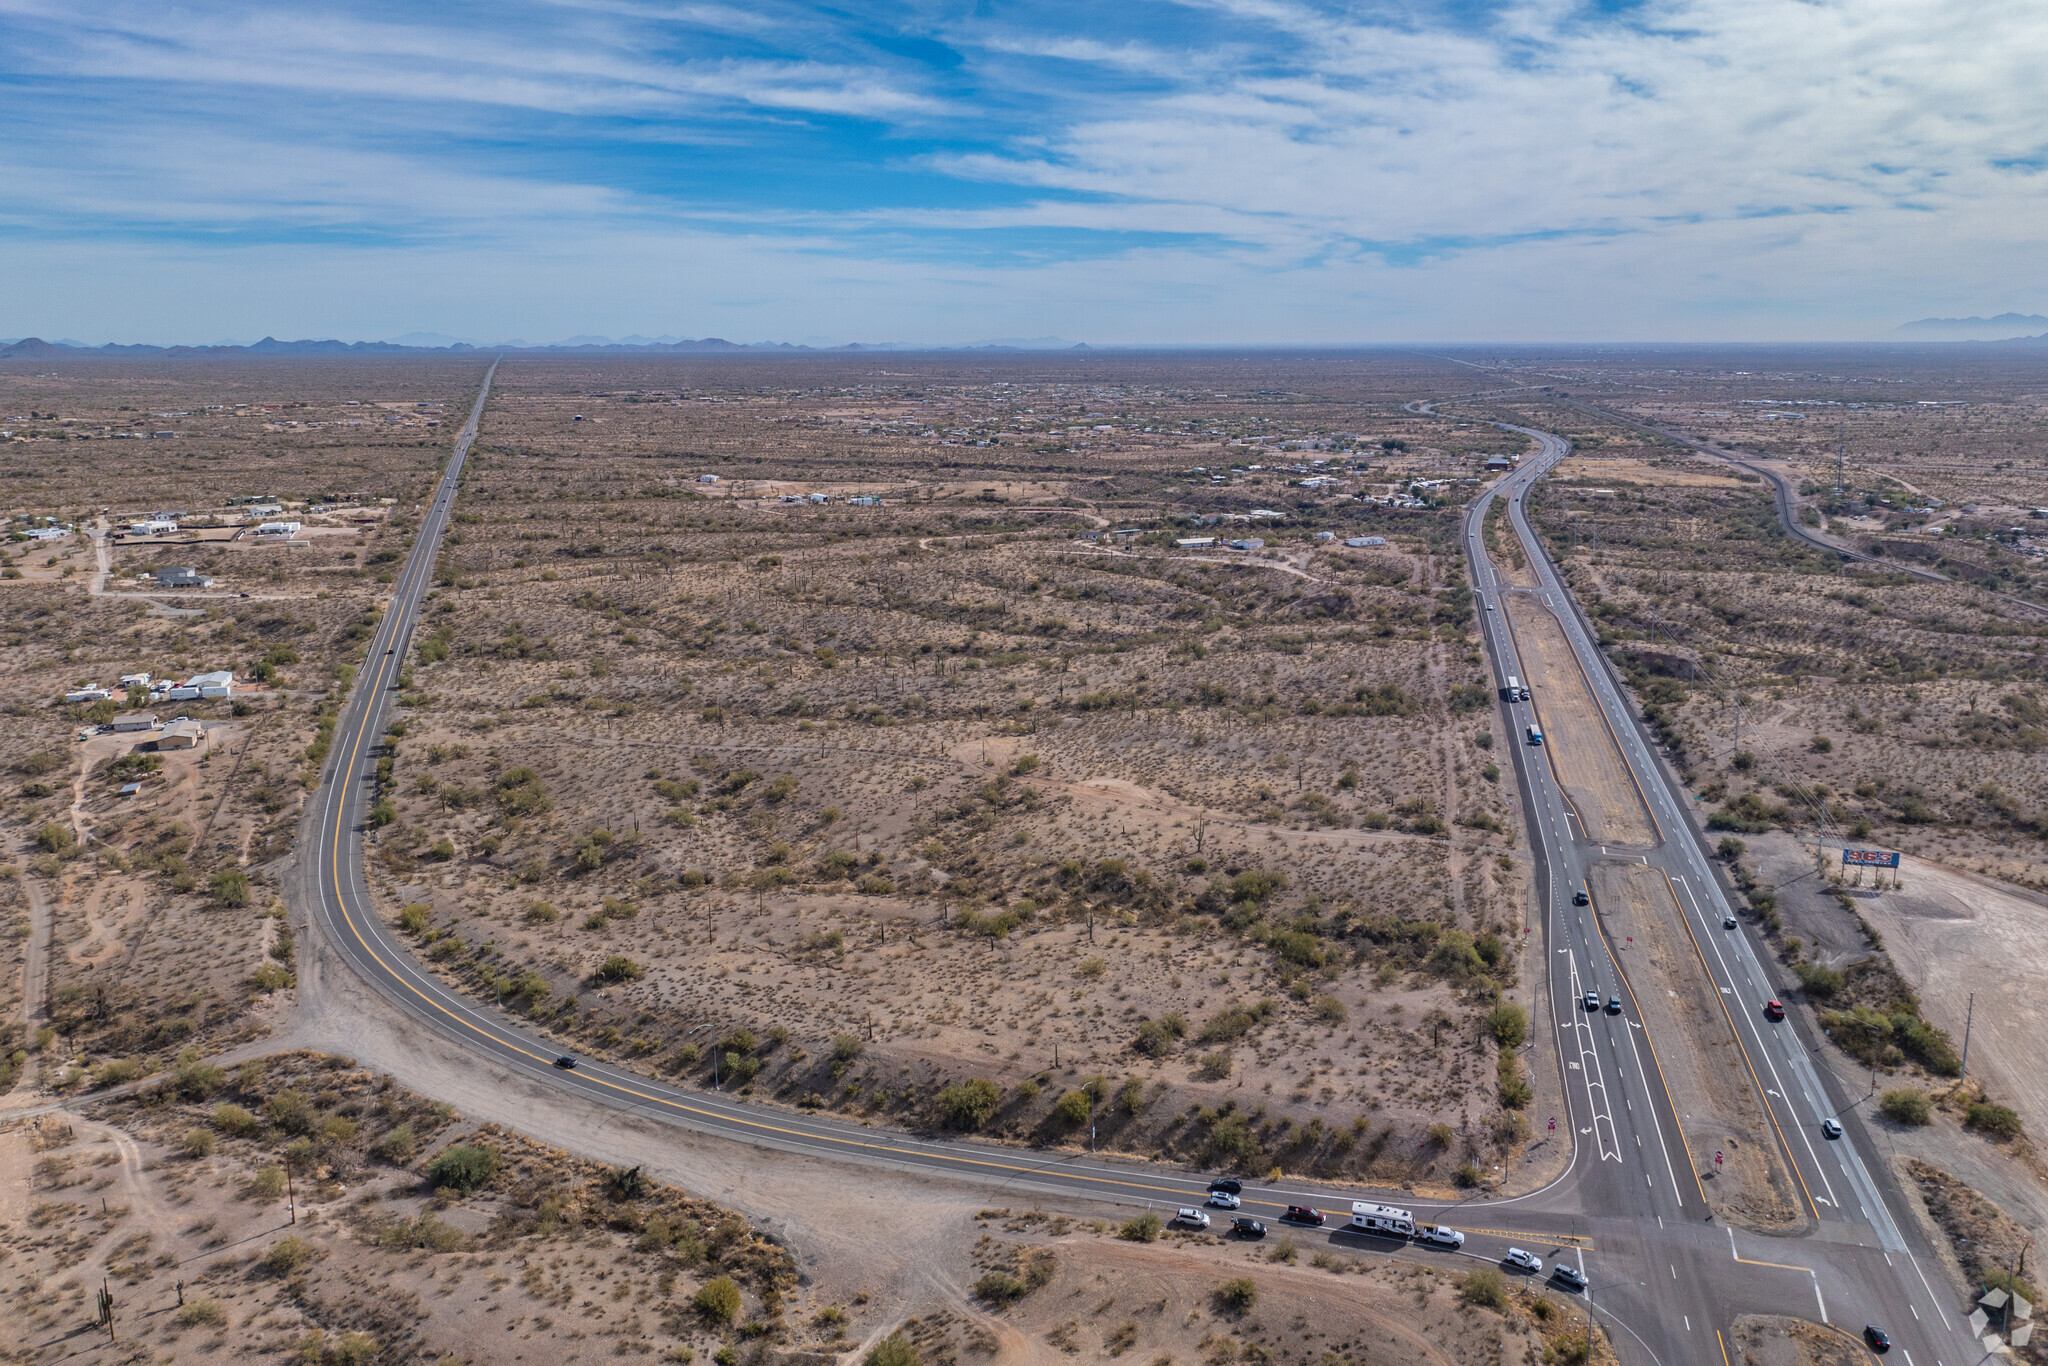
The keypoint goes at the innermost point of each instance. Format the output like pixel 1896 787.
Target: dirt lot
pixel 1703 1066
pixel 1576 741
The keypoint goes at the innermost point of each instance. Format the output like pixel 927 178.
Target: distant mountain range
pixel 2004 327
pixel 434 343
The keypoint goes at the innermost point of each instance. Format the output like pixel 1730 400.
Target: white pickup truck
pixel 1442 1234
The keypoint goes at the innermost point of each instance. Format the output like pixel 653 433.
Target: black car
pixel 1579 898
pixel 1879 1340
pixel 1614 1005
pixel 1248 1228
pixel 1227 1183
pixel 567 1062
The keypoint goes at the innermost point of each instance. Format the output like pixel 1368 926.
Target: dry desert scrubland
pixel 906 738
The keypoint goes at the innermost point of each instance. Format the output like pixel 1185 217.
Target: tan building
pixel 182 735
pixel 135 720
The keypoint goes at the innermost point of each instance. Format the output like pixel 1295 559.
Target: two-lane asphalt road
pixel 1628 1209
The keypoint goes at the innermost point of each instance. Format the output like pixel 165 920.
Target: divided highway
pixel 1629 1211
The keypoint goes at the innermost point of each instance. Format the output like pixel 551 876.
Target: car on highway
pixel 1523 1261
pixel 1774 1010
pixel 1248 1228
pixel 1443 1235
pixel 1303 1214
pixel 567 1062
pixel 1224 1200
pixel 1592 1000
pixel 1579 898
pixel 1568 1276
pixel 1879 1340
pixel 1831 1127
pixel 1727 922
pixel 1227 1183
pixel 1614 1005
pixel 1191 1217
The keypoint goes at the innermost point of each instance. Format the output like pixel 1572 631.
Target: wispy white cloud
pixel 1258 168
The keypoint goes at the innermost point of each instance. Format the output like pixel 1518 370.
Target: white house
pixel 278 529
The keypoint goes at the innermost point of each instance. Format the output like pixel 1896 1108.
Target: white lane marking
pixel 1608 1144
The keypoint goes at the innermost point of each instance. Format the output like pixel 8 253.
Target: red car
pixel 1302 1214
pixel 1773 1011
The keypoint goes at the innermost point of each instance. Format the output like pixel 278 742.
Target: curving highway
pixel 1629 1210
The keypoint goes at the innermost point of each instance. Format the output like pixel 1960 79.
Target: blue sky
pixel 1211 171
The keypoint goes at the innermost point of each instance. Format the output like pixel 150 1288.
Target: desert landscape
pixel 1085 754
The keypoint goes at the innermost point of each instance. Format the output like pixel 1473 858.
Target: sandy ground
pixel 1953 934
pixel 1625 471
pixel 1580 748
pixel 1695 1047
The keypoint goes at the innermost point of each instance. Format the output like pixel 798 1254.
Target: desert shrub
pixel 198 1142
pixel 1440 1136
pixel 1000 1288
pixel 1484 1286
pixel 231 888
pixel 1156 1038
pixel 234 1121
pixel 1997 1120
pixel 462 1167
pixel 1142 1229
pixel 846 1047
pixel 202 1314
pixel 286 1256
pixel 968 1104
pixel 1818 981
pixel 1236 1297
pixel 718 1300
pixel 617 968
pixel 267 1184
pixel 1215 1066
pixel 894 1350
pixel 1073 1108
pixel 291 1111
pixel 397 1146
pixel 1906 1106
pixel 1508 1023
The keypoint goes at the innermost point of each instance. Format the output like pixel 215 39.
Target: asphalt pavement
pixel 1665 1280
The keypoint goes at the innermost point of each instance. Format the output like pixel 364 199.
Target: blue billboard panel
pixel 1870 858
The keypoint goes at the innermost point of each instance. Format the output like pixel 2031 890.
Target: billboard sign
pixel 1870 858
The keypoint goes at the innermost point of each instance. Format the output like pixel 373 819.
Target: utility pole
pixel 1963 1073
pixel 1841 435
